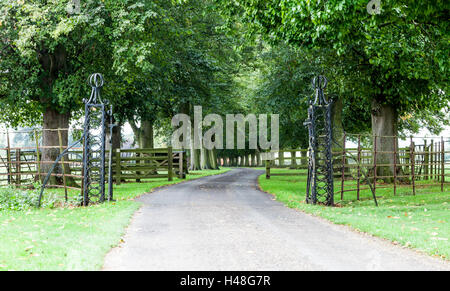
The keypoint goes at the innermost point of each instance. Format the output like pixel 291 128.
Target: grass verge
pixel 420 222
pixel 72 238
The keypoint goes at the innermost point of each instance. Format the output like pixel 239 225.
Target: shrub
pixel 17 199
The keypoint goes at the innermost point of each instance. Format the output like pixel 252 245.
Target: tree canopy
pixel 388 72
pixel 398 57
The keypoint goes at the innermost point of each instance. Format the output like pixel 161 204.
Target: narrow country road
pixel 225 223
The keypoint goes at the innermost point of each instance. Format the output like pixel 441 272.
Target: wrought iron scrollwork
pixel 94 147
pixel 320 188
pixel 94 144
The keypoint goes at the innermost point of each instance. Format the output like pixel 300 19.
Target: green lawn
pixel 420 222
pixel 71 238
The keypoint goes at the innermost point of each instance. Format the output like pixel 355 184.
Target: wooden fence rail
pixel 22 168
pixel 354 166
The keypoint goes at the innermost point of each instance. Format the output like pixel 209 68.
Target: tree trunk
pixel 304 159
pixel 53 119
pixel 253 161
pixel 116 139
pixel 338 134
pixel 293 160
pixel 281 158
pixel 144 138
pixel 146 135
pixel 205 159
pixel 213 159
pixel 384 128
pixel 196 154
pixel 143 135
pixel 338 128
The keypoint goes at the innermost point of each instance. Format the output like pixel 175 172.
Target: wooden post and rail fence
pixel 23 166
pixel 411 166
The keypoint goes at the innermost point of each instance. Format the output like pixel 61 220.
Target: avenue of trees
pixel 389 67
pixel 388 73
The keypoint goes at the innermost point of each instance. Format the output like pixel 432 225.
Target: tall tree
pixel 47 51
pixel 400 56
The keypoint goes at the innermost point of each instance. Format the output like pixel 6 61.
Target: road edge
pixel 357 231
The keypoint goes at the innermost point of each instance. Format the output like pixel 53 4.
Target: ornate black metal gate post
pixel 94 144
pixel 320 188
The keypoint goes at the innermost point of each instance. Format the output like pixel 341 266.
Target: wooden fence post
pixel 8 155
pixel 408 160
pixel 343 166
pixel 437 160
pixel 268 169
pixel 413 166
pixel 432 160
pixel 138 162
pixel 281 158
pixel 170 163
pixel 395 164
pixel 358 194
pixel 426 160
pixel 442 163
pixel 38 157
pixel 181 162
pixel 375 166
pixel 63 164
pixel 18 168
pixel 293 159
pixel 118 167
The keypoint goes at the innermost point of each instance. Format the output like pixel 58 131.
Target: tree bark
pixel 338 128
pixel 52 65
pixel 304 160
pixel 205 159
pixel 338 134
pixel 195 155
pixel 253 160
pixel 212 159
pixel 293 160
pixel 146 140
pixel 54 120
pixel 116 137
pixel 143 135
pixel 384 128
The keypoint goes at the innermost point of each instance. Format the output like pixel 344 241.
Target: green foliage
pixel 399 57
pixel 47 53
pixel 17 199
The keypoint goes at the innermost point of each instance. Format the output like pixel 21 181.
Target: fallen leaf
pixel 28 248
